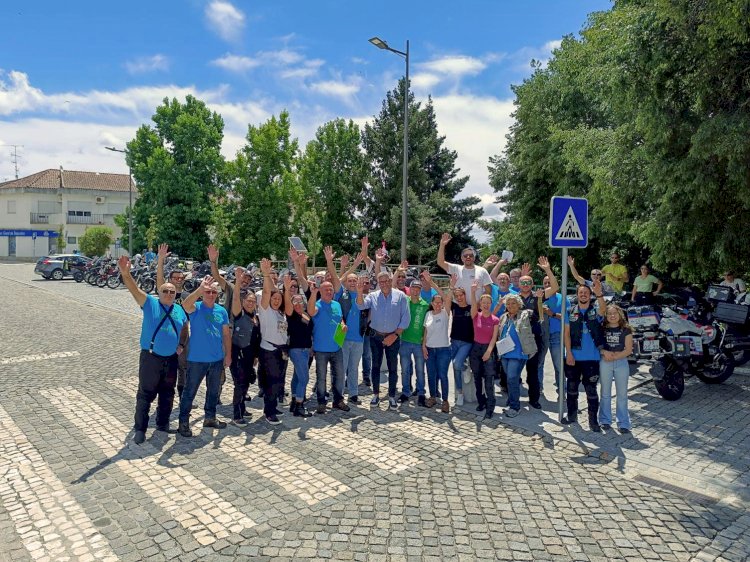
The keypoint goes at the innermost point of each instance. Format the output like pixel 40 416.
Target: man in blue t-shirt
pixel 328 320
pixel 551 334
pixel 584 337
pixel 209 353
pixel 353 348
pixel 157 369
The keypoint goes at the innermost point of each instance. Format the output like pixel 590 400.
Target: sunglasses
pixel 467 256
pixel 526 283
pixel 596 275
pixel 168 292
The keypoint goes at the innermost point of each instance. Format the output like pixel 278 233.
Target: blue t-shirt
pixel 554 303
pixel 497 294
pixel 588 351
pixel 324 326
pixel 514 290
pixel 352 319
pixel 206 329
pixel 167 339
pixel 517 353
pixel 427 294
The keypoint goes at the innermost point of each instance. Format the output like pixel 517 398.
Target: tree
pixel 178 166
pixel 333 179
pixel 61 240
pixel 96 240
pixel 434 180
pixel 265 195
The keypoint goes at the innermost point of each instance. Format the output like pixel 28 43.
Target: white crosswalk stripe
pixel 197 507
pixel 43 511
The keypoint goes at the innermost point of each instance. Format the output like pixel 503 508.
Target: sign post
pixel 568 228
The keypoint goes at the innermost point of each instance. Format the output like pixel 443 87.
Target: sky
pixel 80 75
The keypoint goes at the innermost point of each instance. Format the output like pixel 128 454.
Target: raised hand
pixel 301 258
pixel 206 283
pixel 238 272
pixel 287 281
pixel 597 287
pixel 359 258
pixel 445 238
pixel 124 264
pixel 163 251
pixel 293 254
pixel 539 293
pixel 380 254
pixel 213 253
pixel 345 262
pixel 454 280
pixel 474 286
pixel 571 261
pixel 543 263
pixel 526 270
pixel 265 266
pixel 329 253
pixel 360 283
pixel 364 244
pixel 493 259
pixel 427 277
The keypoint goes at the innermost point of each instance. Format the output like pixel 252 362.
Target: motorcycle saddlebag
pixel 731 313
pixel 720 293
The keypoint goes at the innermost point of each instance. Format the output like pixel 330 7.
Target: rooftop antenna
pixel 14 155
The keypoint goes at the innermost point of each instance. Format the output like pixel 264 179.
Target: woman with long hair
pixel 245 346
pixel 300 341
pixel 482 356
pixel 618 346
pixel 462 338
pixel 273 345
pixel 436 347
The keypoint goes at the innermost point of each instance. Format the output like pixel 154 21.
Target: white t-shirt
pixel 272 327
pixel 738 285
pixel 437 329
pixel 466 277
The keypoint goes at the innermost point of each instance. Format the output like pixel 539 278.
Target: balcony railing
pixel 39 218
pixel 91 219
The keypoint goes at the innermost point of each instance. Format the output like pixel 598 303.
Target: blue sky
pixel 76 76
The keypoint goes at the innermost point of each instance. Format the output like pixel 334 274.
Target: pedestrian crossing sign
pixel 568 222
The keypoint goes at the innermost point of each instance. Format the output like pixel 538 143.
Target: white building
pixel 35 208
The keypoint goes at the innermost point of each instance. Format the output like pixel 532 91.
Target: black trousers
pixel 532 372
pixel 391 359
pixel 243 373
pixel 157 376
pixel 484 375
pixel 586 372
pixel 271 378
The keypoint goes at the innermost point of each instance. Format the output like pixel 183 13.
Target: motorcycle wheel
pixel 101 282
pixel 719 370
pixel 78 276
pixel 90 278
pixel 147 285
pixel 672 384
pixel 113 282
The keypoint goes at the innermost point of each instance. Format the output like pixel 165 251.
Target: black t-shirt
pixel 462 328
pixel 299 330
pixel 614 338
pixel 531 303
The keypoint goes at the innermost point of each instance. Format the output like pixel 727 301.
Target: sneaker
pixel 214 423
pixel 184 429
pixel 431 402
pixel 355 400
pixel 279 412
pixel 421 402
pixel 480 407
pixel 165 429
pixel 570 420
pixel 446 407
pixel 606 426
pixel 623 430
pixel 392 404
pixel 593 426
pixel 321 409
pixel 139 437
pixel 367 381
pixel 403 398
pixel 239 421
pixel 375 400
pixel 511 413
pixel 341 405
pixel 535 405
pixel 459 399
pixel 272 419
pixel 300 411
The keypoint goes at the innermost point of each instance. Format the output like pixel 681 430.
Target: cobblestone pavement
pixel 365 485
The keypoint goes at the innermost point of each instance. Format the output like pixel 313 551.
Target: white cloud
pixel 343 90
pixel 226 20
pixel 457 65
pixel 147 64
pixel 523 57
pixel 424 81
pixel 236 63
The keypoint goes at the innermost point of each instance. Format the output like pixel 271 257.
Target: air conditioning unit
pixel 100 200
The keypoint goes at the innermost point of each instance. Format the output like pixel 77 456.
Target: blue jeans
pixel 366 358
pixel 459 352
pixel 405 353
pixel 438 359
pixel 391 358
pixel 352 353
pixel 618 370
pixel 554 352
pixel 196 372
pixel 336 360
pixel 513 368
pixel 300 356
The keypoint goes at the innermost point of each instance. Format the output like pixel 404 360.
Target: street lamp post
pixel 130 201
pixel 380 44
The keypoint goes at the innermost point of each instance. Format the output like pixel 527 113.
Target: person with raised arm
pixel 436 345
pixel 596 275
pixel 209 353
pixel 299 327
pixel 157 365
pixel 468 272
pixel 245 345
pixel 516 345
pixel 482 356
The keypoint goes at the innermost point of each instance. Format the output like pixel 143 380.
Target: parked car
pixel 59 266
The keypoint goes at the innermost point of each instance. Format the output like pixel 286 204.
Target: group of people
pixel 492 318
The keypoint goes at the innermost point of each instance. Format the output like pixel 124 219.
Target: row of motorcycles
pixel 706 335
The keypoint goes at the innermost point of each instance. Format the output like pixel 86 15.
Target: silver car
pixel 59 266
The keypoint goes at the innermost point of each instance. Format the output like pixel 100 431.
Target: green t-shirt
pixel 415 331
pixel 618 270
pixel 645 285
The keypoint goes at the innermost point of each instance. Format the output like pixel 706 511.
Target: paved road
pixel 365 485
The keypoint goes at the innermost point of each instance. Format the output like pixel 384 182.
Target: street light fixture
pixel 130 200
pixel 380 44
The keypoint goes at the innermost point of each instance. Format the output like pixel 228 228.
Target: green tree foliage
pixel 646 115
pixel 96 240
pixel 61 240
pixel 434 180
pixel 333 178
pixel 265 191
pixel 178 167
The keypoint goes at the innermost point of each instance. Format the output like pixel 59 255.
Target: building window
pixel 11 207
pixel 72 240
pixel 79 213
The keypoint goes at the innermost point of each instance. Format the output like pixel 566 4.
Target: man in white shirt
pixel 467 272
pixel 736 283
